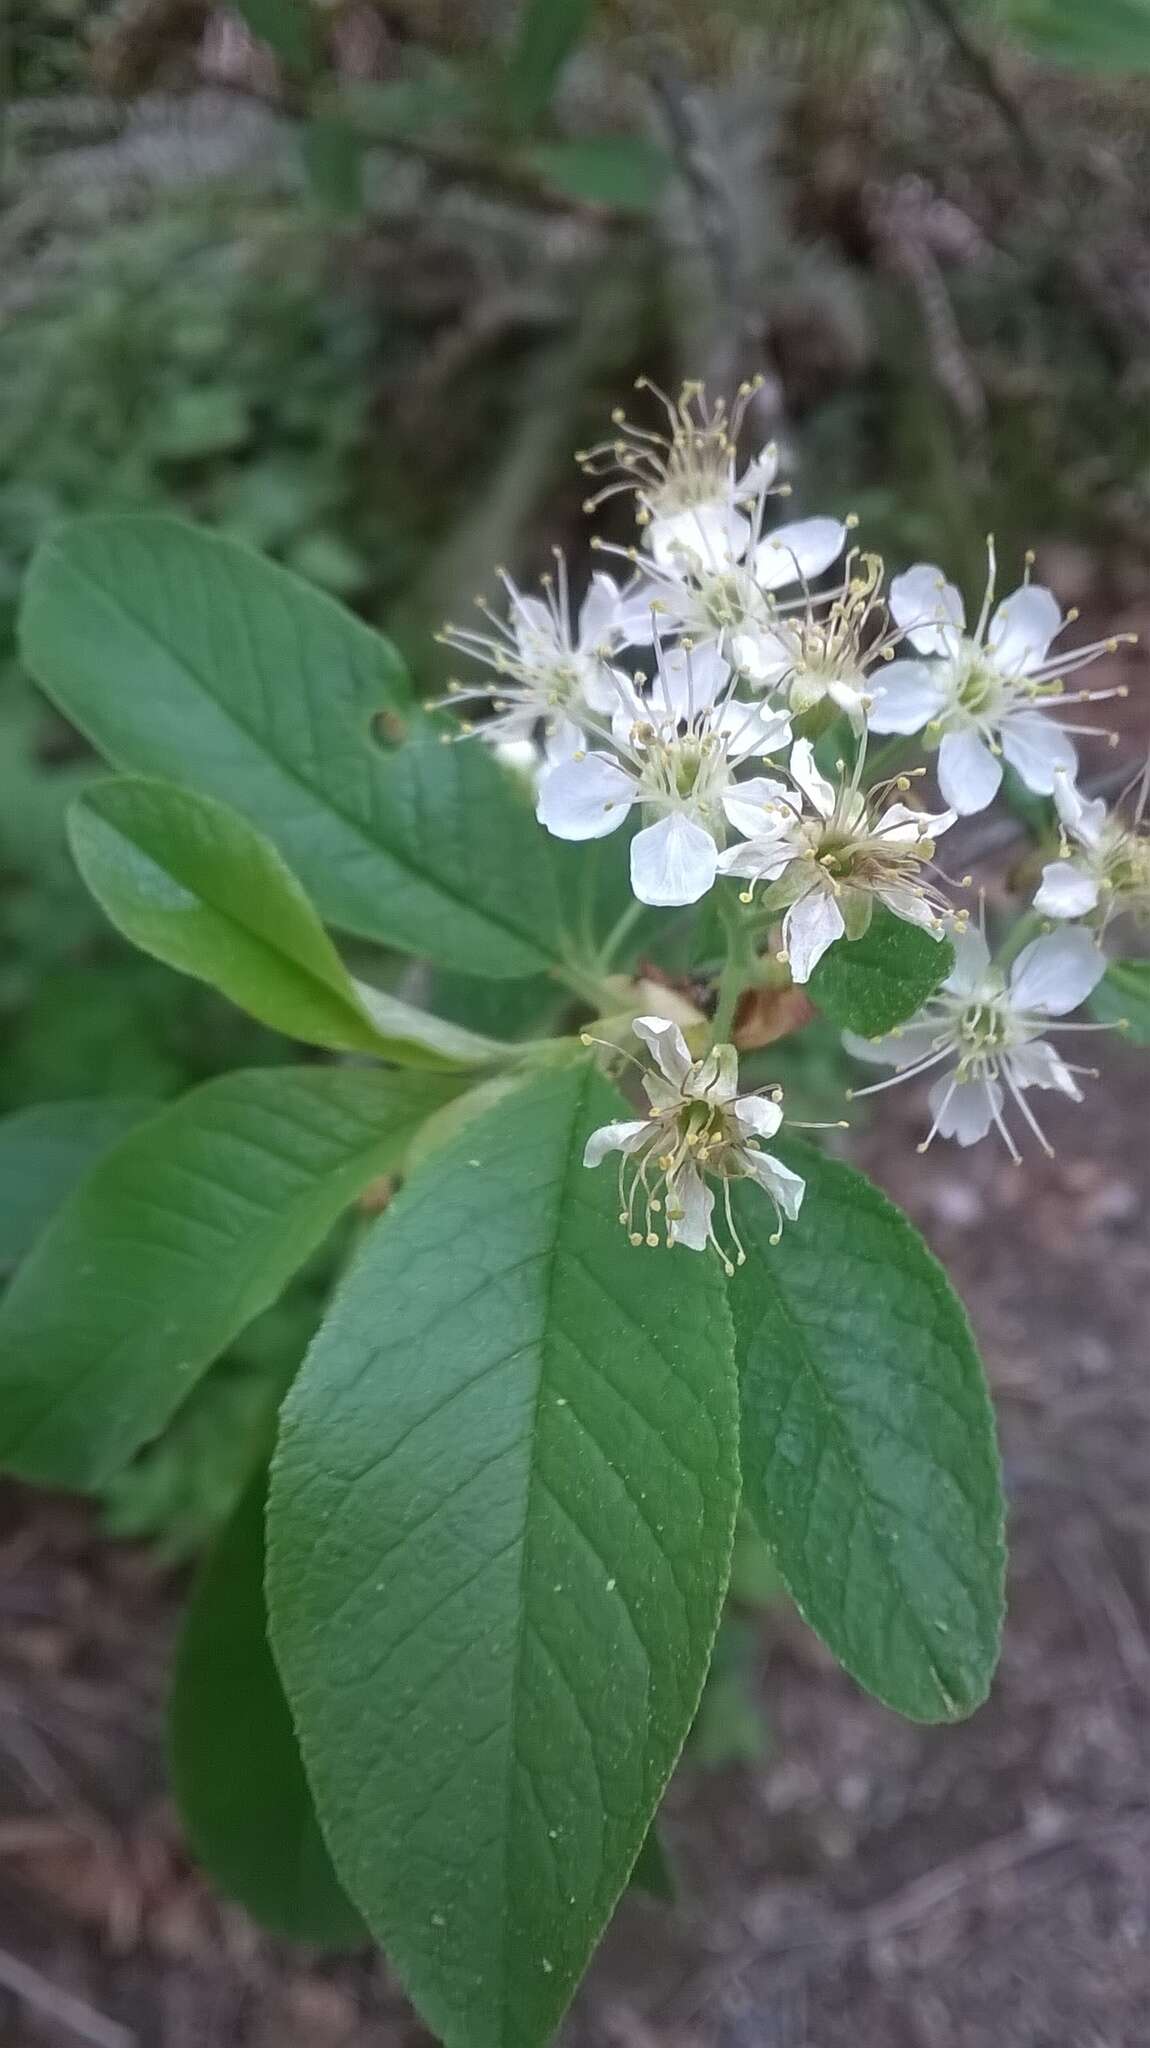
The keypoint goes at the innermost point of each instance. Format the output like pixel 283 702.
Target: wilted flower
pixel 986 1029
pixel 831 864
pixel 1110 871
pixel 700 1130
pixel 675 754
pixel 553 669
pixel 985 694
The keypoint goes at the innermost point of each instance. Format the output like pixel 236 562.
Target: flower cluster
pixel 725 642
pixel 700 1130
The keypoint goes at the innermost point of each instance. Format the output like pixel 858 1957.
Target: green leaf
pixel 499 1537
pixel 178 1237
pixel 549 31
pixel 868 1446
pixel 622 171
pixel 653 1873
pixel 44 1151
pixel 1122 998
pixel 871 984
pixel 190 881
pixel 288 26
pixel 235 1762
pixel 181 654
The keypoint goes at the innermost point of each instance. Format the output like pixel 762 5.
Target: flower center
pixel 979 692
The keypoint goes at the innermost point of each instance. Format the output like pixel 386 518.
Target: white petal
pixel 810 926
pixel 711 535
pixel 929 610
pixel 788 1188
pixel 756 805
pixel 1023 627
pixel 758 1116
pixel 521 758
pixel 760 474
pixel 906 903
pixel 1084 819
pixel 689 680
pixel 667 1047
pixel 1037 1065
pixel 717 1077
pixel 762 859
pixel 690 1203
pixel 902 1048
pixel 562 741
pixel 614 1138
pixel 599 614
pixel 965 1109
pixel 764 657
pixel 585 799
pixel 641 607
pixel 674 861
pixel 750 729
pixel 968 773
pixel 971 963
pixel 1066 890
pixel 818 792
pixel 1056 973
pixel 907 695
pixel 534 627
pixel 798 552
pixel 1038 749
pixel 901 825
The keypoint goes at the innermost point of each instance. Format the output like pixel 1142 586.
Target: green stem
pixel 618 933
pixel 738 968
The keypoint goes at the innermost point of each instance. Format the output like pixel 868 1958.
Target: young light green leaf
pixel 190 881
pixel 868 1445
pixel 1122 998
pixel 549 31
pixel 871 984
pixel 178 1237
pixel 183 655
pixel 235 1762
pixel 44 1151
pixel 499 1537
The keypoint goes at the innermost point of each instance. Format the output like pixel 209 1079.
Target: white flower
pixel 700 1129
pixel 688 492
pixel 675 754
pixel 831 864
pixel 1109 873
pixel 986 1030
pixel 710 597
pixel 823 653
pixel 984 694
pixel 553 671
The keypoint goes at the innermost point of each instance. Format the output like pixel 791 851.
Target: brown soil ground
pixel 872 1883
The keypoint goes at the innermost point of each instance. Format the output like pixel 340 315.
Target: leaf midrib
pixel 521 934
